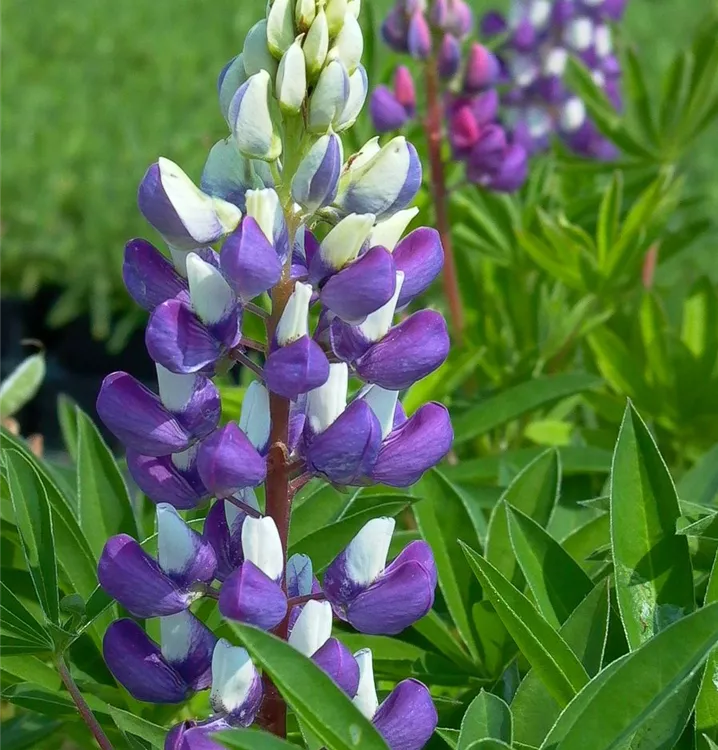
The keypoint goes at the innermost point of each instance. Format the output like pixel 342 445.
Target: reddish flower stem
pixel 434 137
pixel 87 716
pixel 273 714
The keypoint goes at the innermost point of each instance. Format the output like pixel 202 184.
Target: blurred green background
pixel 94 91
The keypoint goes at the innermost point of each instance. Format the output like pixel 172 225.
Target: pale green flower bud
pixel 336 10
pixel 345 240
pixel 316 44
pixel 256 55
pixel 305 12
pixel 280 27
pixel 252 119
pixel 292 79
pixel 358 89
pixel 232 76
pixel 329 98
pixel 354 7
pixel 349 44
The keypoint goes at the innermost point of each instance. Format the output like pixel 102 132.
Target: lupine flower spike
pixel 281 212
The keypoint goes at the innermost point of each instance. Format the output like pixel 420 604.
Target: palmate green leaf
pixel 27 731
pixel 486 717
pixel 707 702
pixel 318 505
pixel 654 580
pixel 31 669
pixel 534 491
pixel 132 724
pixel 700 483
pixel 311 693
pixel 34 522
pixel 450 736
pixel 73 551
pixel 21 385
pixel 575 459
pixel 580 543
pixel 585 631
pixel 67 417
pixel 104 503
pixel 637 93
pixel 521 399
pixel 326 543
pixel 488 744
pixel 444 522
pixel 630 692
pixel 609 216
pixel 436 632
pixel 19 627
pixel 557 582
pixel 699 326
pixel 559 668
pixel 252 739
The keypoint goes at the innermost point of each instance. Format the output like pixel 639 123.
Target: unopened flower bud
pixel 336 10
pixel 231 77
pixel 383 185
pixel 292 79
pixel 179 211
pixel 252 121
pixel 280 27
pixel 449 57
pixel 358 90
pixel 349 43
pixel 330 97
pixel 304 13
pixel 419 36
pixel 404 89
pixel 317 177
pixel 482 69
pixel 316 44
pixel 255 54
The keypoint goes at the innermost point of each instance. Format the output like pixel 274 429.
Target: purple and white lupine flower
pixel 406 719
pixel 492 157
pixel 253 593
pixel 296 86
pixel 540 37
pixel 375 598
pixel 186 217
pixel 166 674
pixel 149 587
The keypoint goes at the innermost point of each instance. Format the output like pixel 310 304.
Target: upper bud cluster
pixel 539 38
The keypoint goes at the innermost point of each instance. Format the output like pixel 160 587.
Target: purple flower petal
pixel 138 665
pixel 249 261
pixel 296 368
pixel 252 597
pixel 129 575
pixel 187 646
pixel 387 113
pixel 403 594
pixel 404 89
pixel 337 661
pixel 512 174
pixel 137 417
pixel 183 554
pixel 149 277
pixel 482 69
pixel 409 352
pixel 420 256
pixel 227 462
pixel 449 58
pixel 347 341
pixel 225 536
pixel 200 415
pixel 346 451
pixel 189 735
pixel 362 287
pixel 419 36
pixel 178 341
pixel 163 482
pixel 420 443
pixel 407 718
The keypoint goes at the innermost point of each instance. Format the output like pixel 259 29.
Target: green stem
pixel 84 710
